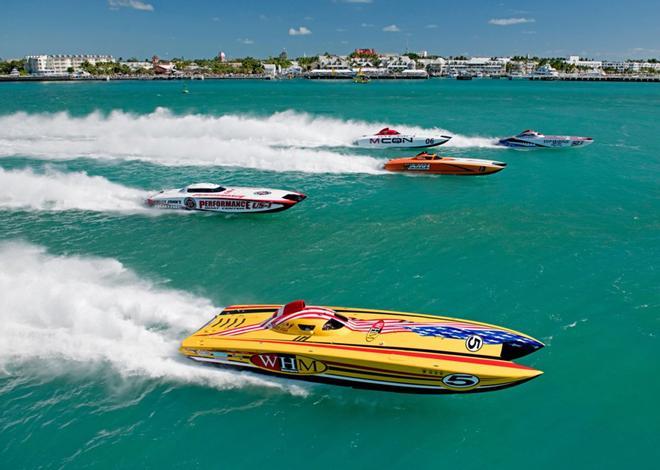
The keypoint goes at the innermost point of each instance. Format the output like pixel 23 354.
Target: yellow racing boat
pixel 376 349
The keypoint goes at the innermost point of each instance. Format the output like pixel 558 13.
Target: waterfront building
pixel 364 62
pixel 578 62
pixel 477 66
pixel 271 69
pixel 60 64
pixel 435 67
pixel 162 67
pixel 135 66
pixel 630 66
pixel 293 69
pixel 334 62
pixel 397 63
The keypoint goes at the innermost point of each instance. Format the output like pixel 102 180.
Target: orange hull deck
pixel 433 164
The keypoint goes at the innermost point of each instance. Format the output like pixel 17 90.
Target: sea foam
pixel 53 190
pixel 60 311
pixel 285 141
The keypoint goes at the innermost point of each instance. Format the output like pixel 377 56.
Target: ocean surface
pixel 96 291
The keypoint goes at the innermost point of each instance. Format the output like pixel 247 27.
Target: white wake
pixel 57 191
pixel 285 141
pixel 61 310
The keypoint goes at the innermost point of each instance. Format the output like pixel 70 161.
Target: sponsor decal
pixel 474 343
pixel 432 372
pixel 390 140
pixel 167 204
pixel 555 142
pixel 460 380
pixel 375 330
pixel 288 364
pixel 261 193
pixel 419 166
pixel 232 204
pixel 189 203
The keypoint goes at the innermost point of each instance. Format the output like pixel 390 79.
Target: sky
pixel 604 29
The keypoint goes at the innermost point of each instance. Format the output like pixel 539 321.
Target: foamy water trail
pixel 161 137
pixel 286 141
pixel 57 191
pixel 61 310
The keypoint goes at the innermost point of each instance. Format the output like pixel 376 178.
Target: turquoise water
pixel 97 291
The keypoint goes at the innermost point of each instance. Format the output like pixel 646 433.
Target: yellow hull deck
pixel 365 348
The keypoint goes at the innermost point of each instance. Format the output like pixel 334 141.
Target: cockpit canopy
pixel 529 133
pixel 203 188
pixel 426 156
pixel 388 131
pixel 296 318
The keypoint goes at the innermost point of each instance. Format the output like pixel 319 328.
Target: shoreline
pixel 571 78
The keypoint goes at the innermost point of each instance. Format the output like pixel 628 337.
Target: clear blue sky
pixel 202 28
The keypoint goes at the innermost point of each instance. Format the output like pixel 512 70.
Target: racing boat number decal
pixel 460 380
pixel 473 343
pixel 288 364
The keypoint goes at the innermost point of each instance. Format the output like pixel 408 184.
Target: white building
pixel 477 66
pixel 621 66
pixel 134 66
pixel 272 69
pixel 60 64
pixel 293 69
pixel 333 62
pixel 433 66
pixel 578 62
pixel 397 63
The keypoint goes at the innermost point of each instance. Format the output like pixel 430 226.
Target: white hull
pixel 545 141
pixel 400 141
pixel 230 200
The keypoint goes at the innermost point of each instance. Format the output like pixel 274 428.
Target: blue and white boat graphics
pixel 533 139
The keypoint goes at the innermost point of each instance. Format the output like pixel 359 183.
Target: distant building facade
pixel 61 64
pixel 579 62
pixel 477 66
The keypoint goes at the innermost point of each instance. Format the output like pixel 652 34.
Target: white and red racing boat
pixel 215 198
pixel 389 138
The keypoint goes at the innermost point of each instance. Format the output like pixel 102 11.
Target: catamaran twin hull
pixel 373 349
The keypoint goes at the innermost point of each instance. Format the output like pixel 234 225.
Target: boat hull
pixel 366 381
pixel 223 205
pixel 372 355
pixel 400 141
pixel 228 201
pixel 548 141
pixel 445 166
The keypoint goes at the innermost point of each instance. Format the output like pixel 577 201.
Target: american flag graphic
pixel 489 336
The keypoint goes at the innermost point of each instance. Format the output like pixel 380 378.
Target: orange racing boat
pixel 438 165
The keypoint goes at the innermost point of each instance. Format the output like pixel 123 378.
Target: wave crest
pixel 59 310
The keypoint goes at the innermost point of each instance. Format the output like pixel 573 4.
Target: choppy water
pixel 96 291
